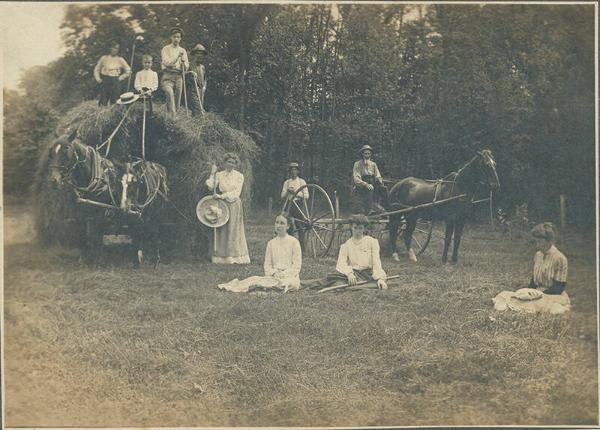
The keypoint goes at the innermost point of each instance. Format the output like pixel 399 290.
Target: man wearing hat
pixel 290 186
pixel 369 190
pixel 174 61
pixel 197 83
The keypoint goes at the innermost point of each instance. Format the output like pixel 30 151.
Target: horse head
pixel 487 165
pixel 64 156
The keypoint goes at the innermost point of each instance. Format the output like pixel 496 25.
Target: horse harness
pixel 152 174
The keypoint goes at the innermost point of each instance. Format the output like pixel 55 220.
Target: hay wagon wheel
pixel 421 236
pixel 315 216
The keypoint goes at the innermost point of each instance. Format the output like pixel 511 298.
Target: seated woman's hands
pixel 351 279
pixel 382 284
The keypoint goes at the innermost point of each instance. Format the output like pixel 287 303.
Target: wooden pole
pixel 491 209
pixel 187 113
pixel 144 131
pixel 131 65
pixel 337 287
pixel 563 217
pixel 337 204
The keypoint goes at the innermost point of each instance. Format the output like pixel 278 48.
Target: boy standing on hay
pixel 146 80
pixel 174 62
pixel 109 72
pixel 197 86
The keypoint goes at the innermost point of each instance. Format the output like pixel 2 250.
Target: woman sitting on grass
pixel 549 264
pixel 358 260
pixel 546 291
pixel 283 261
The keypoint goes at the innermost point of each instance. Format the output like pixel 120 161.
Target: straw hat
pixel 176 30
pixel 365 148
pixel 198 48
pixel 126 98
pixel 212 212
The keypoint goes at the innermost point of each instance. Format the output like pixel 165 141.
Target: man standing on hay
pixel 174 62
pixel 109 72
pixel 197 81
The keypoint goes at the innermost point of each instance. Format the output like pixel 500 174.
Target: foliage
pixel 426 85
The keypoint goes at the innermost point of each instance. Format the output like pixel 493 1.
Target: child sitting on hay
pixel 546 290
pixel 283 261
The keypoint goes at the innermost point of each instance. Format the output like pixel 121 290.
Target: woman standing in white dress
pixel 230 247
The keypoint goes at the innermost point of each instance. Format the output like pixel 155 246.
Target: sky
pixel 29 36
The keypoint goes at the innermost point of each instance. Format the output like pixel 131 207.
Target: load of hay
pixel 186 146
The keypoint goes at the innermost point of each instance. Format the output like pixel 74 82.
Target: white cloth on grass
pixel 528 300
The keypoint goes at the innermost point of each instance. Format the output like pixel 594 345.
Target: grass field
pixel 118 347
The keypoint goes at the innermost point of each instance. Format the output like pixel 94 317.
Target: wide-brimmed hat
pixel 176 30
pixel 293 165
pixel 198 48
pixel 126 98
pixel 212 212
pixel 365 148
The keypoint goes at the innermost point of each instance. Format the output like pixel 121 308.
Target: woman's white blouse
pixel 229 184
pixel 360 255
pixel 283 258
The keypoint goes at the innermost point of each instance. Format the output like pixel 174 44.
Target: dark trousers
pixel 194 102
pixel 110 90
pixel 148 97
pixel 363 199
pixel 338 278
pixel 297 228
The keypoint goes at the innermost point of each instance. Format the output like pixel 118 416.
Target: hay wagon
pixel 325 231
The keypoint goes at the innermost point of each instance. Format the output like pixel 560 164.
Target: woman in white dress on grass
pixel 231 247
pixel 283 261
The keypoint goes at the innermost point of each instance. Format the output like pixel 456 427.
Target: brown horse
pixel 96 182
pixel 480 170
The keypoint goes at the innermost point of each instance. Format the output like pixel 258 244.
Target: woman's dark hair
pixel 359 219
pixel 286 217
pixel 231 156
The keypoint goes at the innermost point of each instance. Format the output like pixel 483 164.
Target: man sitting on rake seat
pixel 369 191
pixel 293 207
pixel 358 260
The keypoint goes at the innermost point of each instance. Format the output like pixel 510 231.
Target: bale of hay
pixel 186 146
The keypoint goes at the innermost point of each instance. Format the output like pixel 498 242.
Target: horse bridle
pixel 66 171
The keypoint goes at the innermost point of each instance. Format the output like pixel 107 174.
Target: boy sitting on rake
pixel 358 260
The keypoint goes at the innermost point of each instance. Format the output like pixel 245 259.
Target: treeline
pixel 425 85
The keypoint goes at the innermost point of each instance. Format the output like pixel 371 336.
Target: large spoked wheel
pixel 314 219
pixel 421 236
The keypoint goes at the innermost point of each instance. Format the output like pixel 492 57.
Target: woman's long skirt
pixel 231 247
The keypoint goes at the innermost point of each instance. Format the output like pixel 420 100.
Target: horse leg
pixel 393 225
pixel 457 236
pixel 411 224
pixel 137 246
pixel 447 239
pixel 91 246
